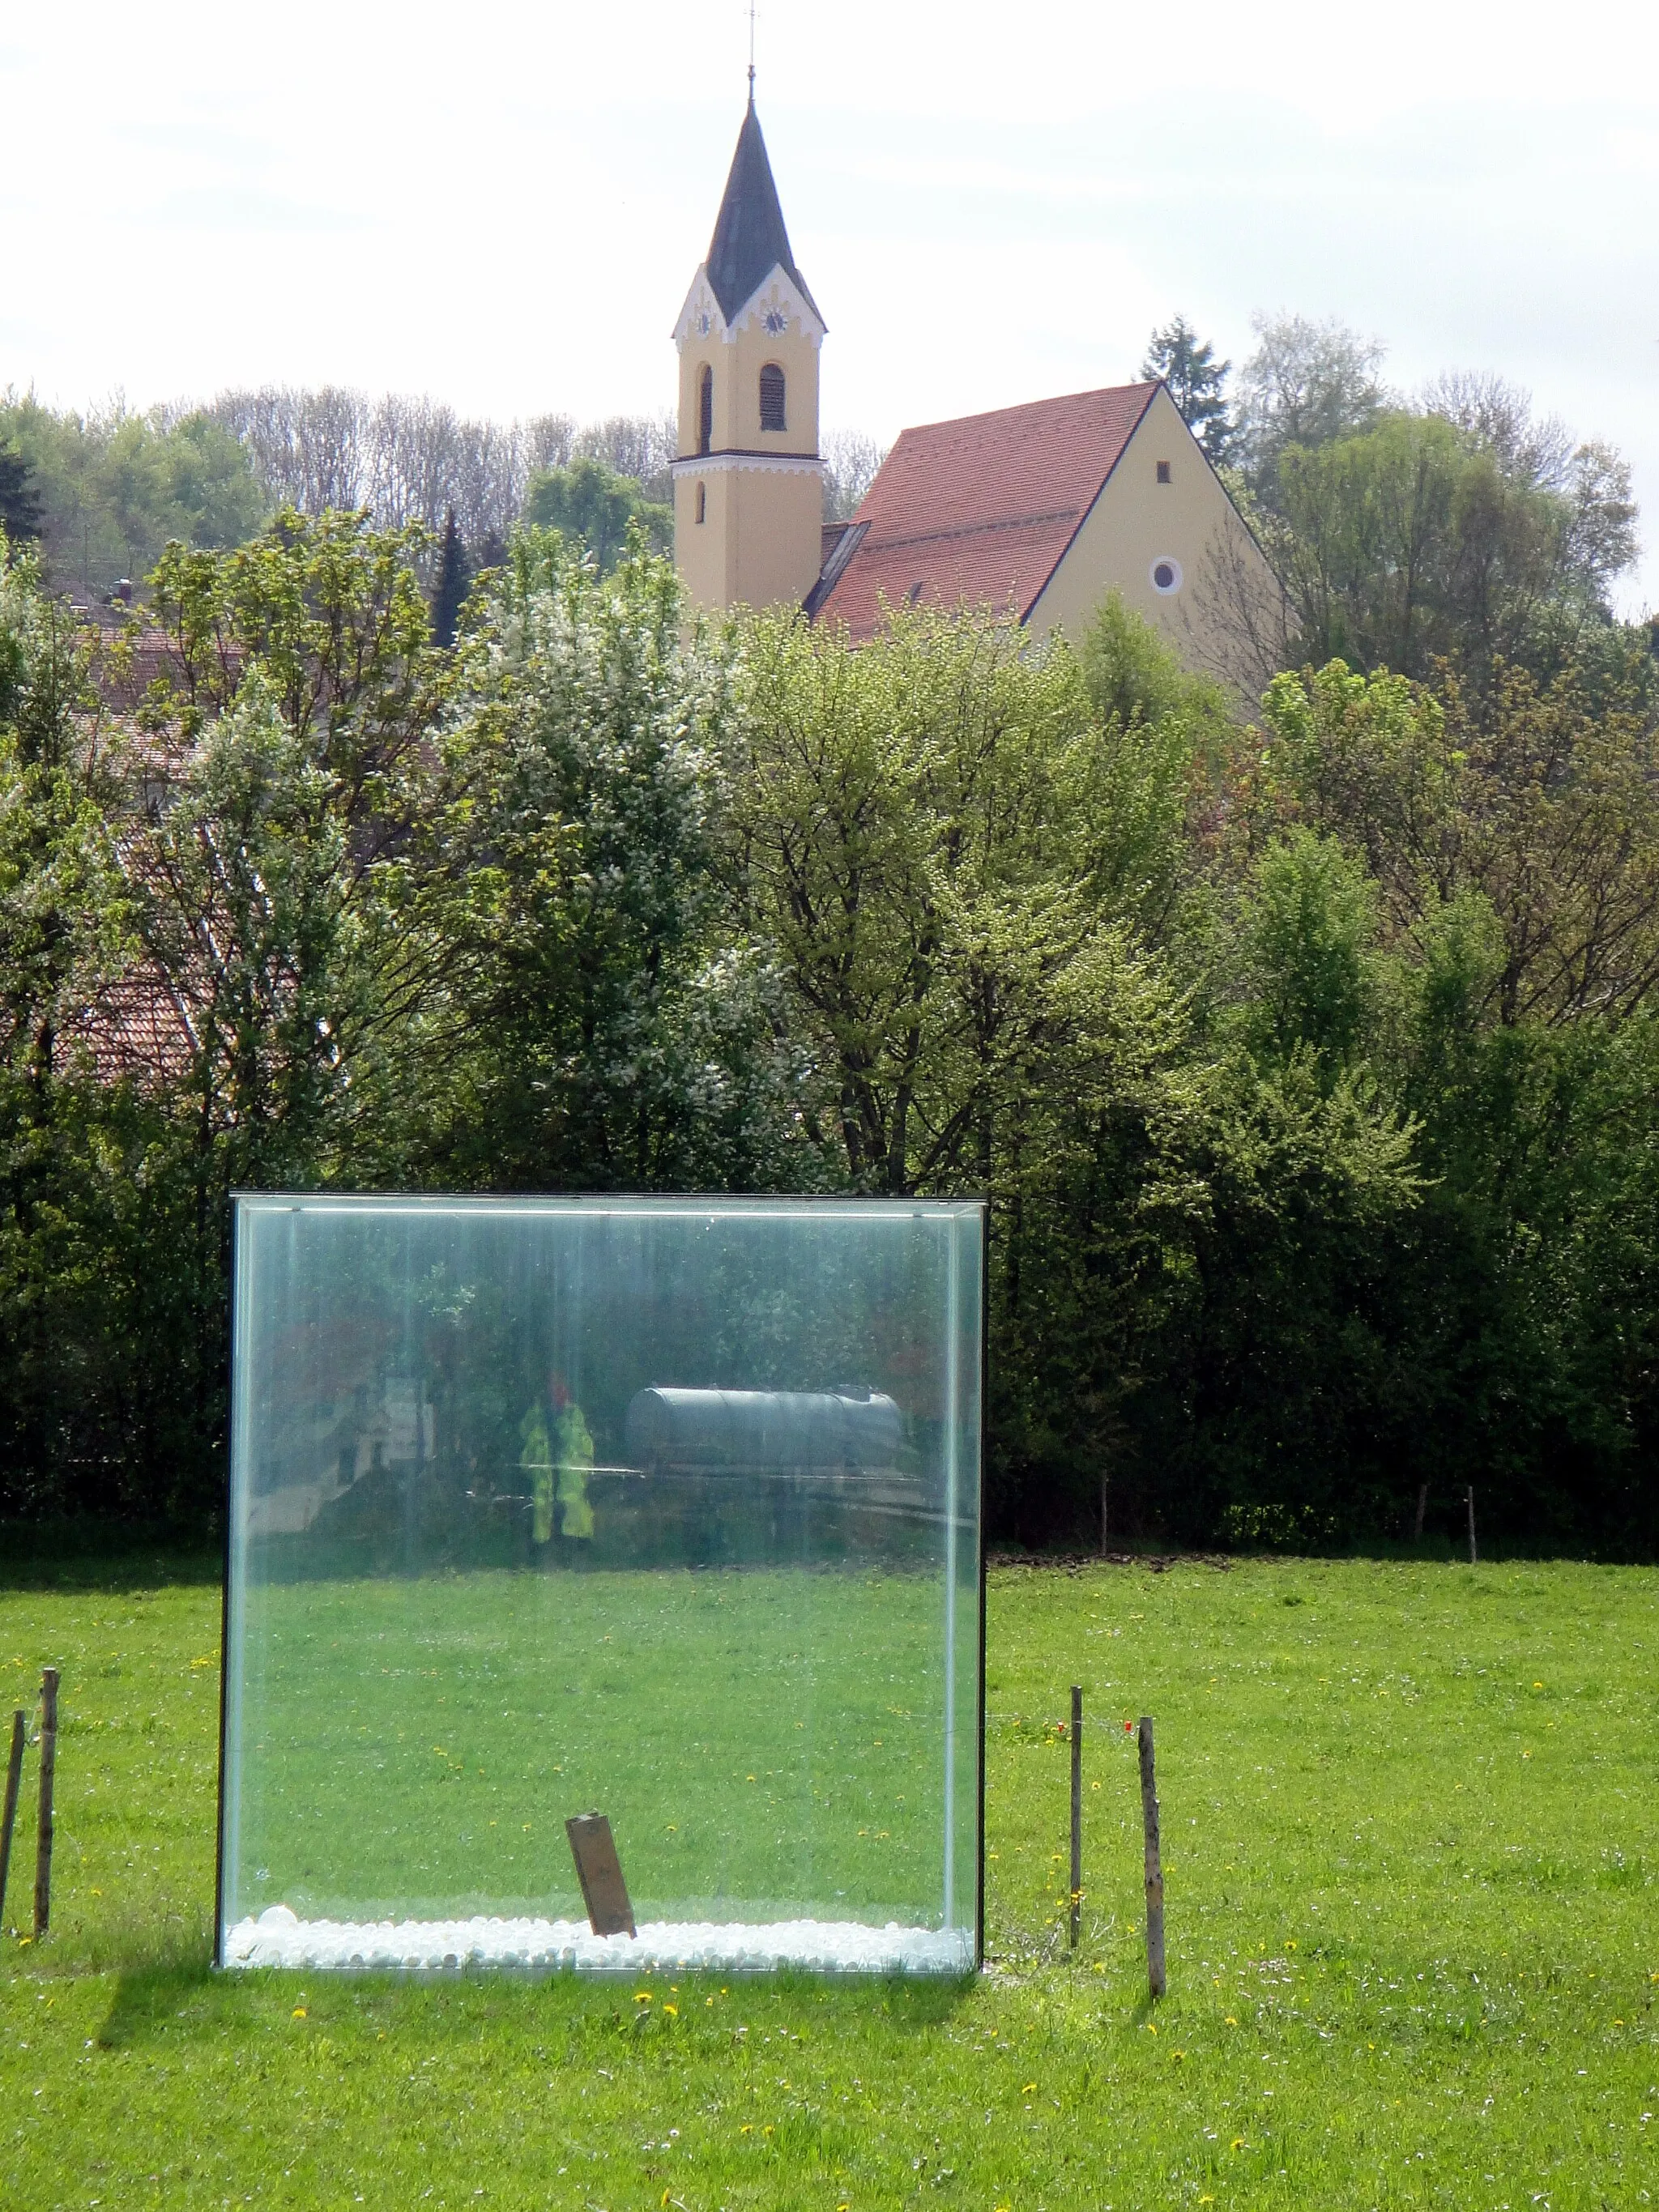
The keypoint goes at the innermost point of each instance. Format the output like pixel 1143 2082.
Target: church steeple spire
pixel 747 489
pixel 750 238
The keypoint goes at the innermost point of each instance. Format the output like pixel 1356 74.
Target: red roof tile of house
pixel 980 510
pixel 135 1031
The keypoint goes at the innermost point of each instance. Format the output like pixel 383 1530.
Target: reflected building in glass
pixel 666 1510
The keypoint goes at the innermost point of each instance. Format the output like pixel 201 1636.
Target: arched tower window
pixel 772 398
pixel 703 503
pixel 705 410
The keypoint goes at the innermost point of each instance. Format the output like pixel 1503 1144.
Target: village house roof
pixel 749 238
pixel 979 511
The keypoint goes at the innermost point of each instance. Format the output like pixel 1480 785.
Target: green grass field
pixel 767 1744
pixel 1411 1827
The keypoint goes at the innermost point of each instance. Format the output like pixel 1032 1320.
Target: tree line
pixel 1451 526
pixel 104 491
pixel 1306 1053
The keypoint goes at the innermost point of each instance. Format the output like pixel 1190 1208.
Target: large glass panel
pixel 667 1509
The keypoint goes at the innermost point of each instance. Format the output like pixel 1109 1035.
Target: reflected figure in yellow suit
pixel 557 1456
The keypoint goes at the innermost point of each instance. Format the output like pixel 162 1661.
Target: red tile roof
pixel 980 510
pixel 135 1031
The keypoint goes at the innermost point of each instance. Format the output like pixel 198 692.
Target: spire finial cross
pixel 751 53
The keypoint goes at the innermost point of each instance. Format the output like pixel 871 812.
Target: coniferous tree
pixel 20 505
pixel 452 585
pixel 1197 383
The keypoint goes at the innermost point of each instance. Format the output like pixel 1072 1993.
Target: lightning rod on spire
pixel 751 53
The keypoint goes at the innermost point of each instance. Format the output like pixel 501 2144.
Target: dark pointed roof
pixel 750 239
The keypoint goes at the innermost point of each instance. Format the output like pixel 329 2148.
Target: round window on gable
pixel 1166 575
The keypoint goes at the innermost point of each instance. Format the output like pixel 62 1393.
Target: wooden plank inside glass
pixel 599 1871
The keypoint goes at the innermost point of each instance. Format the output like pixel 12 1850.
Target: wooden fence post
pixel 1472 1551
pixel 48 1767
pixel 1077 1809
pixel 1155 1978
pixel 1422 1508
pixel 1105 1510
pixel 13 1782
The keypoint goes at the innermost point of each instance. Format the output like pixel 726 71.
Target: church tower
pixel 748 484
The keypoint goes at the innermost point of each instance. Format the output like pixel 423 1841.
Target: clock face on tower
pixel 776 321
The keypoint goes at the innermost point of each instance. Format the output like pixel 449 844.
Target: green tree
pixel 1541 802
pixel 62 939
pixel 1407 545
pixel 1307 384
pixel 450 593
pixel 20 505
pixel 211 494
pixel 590 506
pixel 284 759
pixel 602 1025
pixel 1308 928
pixel 274 766
pixel 955 866
pixel 1197 382
pixel 113 489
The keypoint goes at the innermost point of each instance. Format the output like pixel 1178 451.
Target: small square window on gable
pixel 1164 472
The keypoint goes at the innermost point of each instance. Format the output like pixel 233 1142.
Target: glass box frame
pixel 666 1507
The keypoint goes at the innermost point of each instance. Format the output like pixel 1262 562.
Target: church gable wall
pixel 1159 543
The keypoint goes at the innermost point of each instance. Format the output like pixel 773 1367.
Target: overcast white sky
pixel 502 205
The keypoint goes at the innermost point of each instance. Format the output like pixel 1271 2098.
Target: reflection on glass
pixel 662 1509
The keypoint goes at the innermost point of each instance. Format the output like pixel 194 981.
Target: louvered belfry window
pixel 705 411
pixel 772 398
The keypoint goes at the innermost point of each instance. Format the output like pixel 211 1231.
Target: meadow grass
pixel 766 1743
pixel 1412 1831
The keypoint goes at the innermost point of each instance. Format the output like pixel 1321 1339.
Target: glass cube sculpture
pixel 661 1509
